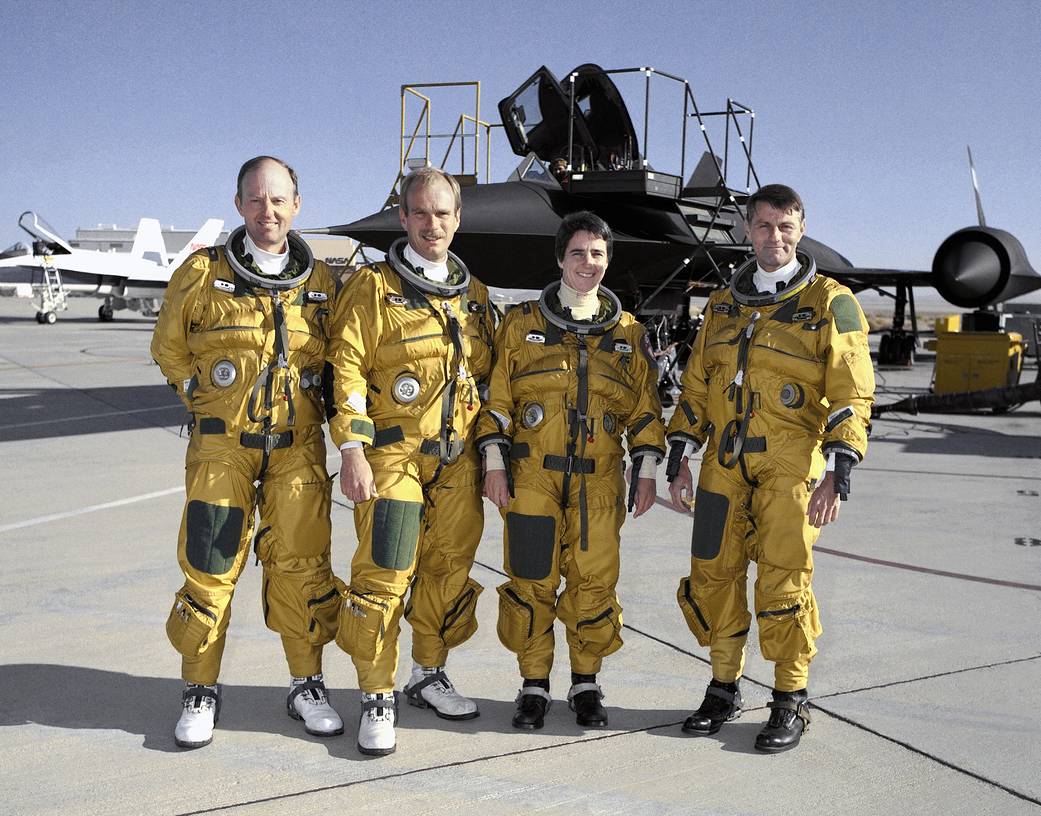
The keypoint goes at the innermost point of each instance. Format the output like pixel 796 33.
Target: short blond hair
pixel 424 177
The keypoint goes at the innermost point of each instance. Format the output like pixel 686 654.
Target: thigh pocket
pixel 460 620
pixel 530 541
pixel 516 618
pixel 363 624
pixel 298 518
pixel 189 625
pixel 694 615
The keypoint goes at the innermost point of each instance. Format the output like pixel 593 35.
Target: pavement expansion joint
pixel 1011 662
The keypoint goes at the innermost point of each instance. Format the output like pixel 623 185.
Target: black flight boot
pixel 789 718
pixel 532 703
pixel 584 699
pixel 722 704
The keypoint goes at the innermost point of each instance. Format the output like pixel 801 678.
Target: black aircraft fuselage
pixel 672 239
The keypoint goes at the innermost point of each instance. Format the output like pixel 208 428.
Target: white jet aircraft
pixel 52 270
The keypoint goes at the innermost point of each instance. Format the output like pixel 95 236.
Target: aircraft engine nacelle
pixel 978 266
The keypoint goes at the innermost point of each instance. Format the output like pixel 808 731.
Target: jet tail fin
pixel 148 242
pixel 206 236
pixel 706 178
pixel 976 189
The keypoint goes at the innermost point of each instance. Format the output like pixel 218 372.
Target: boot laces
pixel 197 704
pixel 380 714
pixel 315 696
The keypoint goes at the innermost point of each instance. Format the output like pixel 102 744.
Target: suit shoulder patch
pixel 846 313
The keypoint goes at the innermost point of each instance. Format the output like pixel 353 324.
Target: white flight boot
pixel 376 726
pixel 200 713
pixel 309 701
pixel 429 687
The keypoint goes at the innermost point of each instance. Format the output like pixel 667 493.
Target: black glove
pixel 843 469
pixel 634 480
pixel 672 469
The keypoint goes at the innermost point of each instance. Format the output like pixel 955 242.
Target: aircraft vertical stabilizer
pixel 206 236
pixel 976 189
pixel 148 242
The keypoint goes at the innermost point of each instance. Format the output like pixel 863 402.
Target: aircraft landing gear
pixel 48 318
pixel 105 313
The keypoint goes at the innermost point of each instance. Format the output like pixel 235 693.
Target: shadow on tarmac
pixel 960 440
pixel 74 697
pixel 45 413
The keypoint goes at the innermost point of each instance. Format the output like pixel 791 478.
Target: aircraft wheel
pixel 105 314
pixel 39 317
pixel 50 318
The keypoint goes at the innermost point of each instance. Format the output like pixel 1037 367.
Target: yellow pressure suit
pixel 773 381
pixel 408 355
pixel 562 393
pixel 245 354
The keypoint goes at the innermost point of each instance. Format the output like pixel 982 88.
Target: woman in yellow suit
pixel 572 373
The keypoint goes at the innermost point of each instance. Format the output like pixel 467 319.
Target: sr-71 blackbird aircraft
pixel 672 238
pixel 52 269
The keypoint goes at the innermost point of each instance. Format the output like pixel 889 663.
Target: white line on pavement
pixel 89 509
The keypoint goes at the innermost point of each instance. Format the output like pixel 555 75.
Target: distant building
pixel 335 251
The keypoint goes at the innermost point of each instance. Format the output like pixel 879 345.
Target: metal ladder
pixel 49 292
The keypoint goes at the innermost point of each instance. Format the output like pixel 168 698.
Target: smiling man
pixel 573 374
pixel 411 351
pixel 779 389
pixel 242 340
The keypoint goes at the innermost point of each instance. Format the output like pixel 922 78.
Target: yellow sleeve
pixel 645 430
pixel 690 421
pixel 495 423
pixel 170 336
pixel 354 335
pixel 849 381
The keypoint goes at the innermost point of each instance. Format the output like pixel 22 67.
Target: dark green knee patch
pixel 213 536
pixel 710 519
pixel 395 533
pixel 531 541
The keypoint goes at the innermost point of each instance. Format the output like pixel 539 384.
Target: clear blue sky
pixel 117 110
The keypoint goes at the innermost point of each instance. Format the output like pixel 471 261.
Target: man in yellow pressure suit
pixel 779 390
pixel 411 346
pixel 242 340
pixel 572 373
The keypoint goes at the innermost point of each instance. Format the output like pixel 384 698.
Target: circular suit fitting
pixel 792 395
pixel 406 389
pixel 298 251
pixel 609 423
pixel 223 373
pixel 581 327
pixel 742 285
pixel 396 259
pixel 533 415
pixel 310 379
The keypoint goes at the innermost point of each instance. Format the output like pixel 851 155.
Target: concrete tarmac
pixel 925 691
